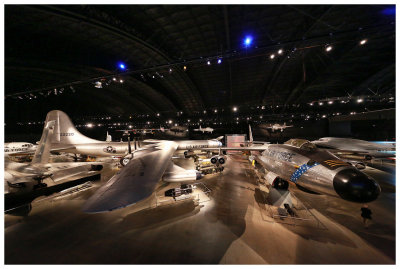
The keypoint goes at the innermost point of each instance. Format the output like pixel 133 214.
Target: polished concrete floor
pixel 232 227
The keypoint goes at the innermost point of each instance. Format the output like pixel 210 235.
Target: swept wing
pixel 134 182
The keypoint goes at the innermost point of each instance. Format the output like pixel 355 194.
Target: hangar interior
pixel 188 74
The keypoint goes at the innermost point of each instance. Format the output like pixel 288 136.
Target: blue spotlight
pixel 247 41
pixel 122 66
pixel 219 61
pixel 389 11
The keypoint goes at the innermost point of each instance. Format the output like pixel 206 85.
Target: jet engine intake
pixel 218 159
pixel 275 181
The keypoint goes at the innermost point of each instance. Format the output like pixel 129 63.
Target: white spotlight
pixel 362 42
pixel 330 102
pixel 114 79
pixel 272 56
pixel 234 108
pixel 360 100
pixel 121 81
pixel 320 103
pixel 328 48
pixel 280 51
pixel 208 63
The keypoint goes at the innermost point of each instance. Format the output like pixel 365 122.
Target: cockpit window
pixel 311 162
pixel 301 144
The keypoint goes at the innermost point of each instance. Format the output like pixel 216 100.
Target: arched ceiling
pixel 47 46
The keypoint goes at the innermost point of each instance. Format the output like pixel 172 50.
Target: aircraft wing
pixel 359 154
pixel 134 182
pixel 153 141
pixel 61 147
pixel 254 148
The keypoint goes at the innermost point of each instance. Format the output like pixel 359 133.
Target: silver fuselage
pixel 121 148
pixel 291 164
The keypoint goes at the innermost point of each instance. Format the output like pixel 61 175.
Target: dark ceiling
pixel 67 46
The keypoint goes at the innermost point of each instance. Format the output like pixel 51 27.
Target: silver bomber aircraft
pixel 301 162
pixel 68 139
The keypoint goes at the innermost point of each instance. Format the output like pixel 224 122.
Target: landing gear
pixel 39 180
pixel 40 185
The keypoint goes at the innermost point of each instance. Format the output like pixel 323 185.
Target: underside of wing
pixel 252 148
pixel 61 147
pixel 134 182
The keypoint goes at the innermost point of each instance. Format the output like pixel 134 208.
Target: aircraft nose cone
pixel 355 186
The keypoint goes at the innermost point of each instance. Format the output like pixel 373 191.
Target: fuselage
pixel 370 148
pixel 319 171
pixel 18 147
pixel 121 148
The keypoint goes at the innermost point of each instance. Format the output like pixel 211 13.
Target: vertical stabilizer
pixel 42 152
pixel 65 131
pixel 250 135
pixel 108 138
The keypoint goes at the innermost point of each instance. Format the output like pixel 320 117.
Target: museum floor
pixel 231 225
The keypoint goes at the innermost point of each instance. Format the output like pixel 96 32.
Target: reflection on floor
pixel 230 227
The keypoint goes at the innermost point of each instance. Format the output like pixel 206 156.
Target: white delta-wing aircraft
pixel 29 176
pixel 68 139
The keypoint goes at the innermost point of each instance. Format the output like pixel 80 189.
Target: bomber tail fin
pixel 65 131
pixel 42 153
pixel 250 135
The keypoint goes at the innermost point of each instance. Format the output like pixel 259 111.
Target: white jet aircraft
pixel 207 129
pixel 17 149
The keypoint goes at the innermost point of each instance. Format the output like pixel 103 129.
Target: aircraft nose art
pixel 355 186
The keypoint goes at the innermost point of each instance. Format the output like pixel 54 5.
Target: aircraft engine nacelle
pixel 275 181
pixel 180 176
pixel 219 159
